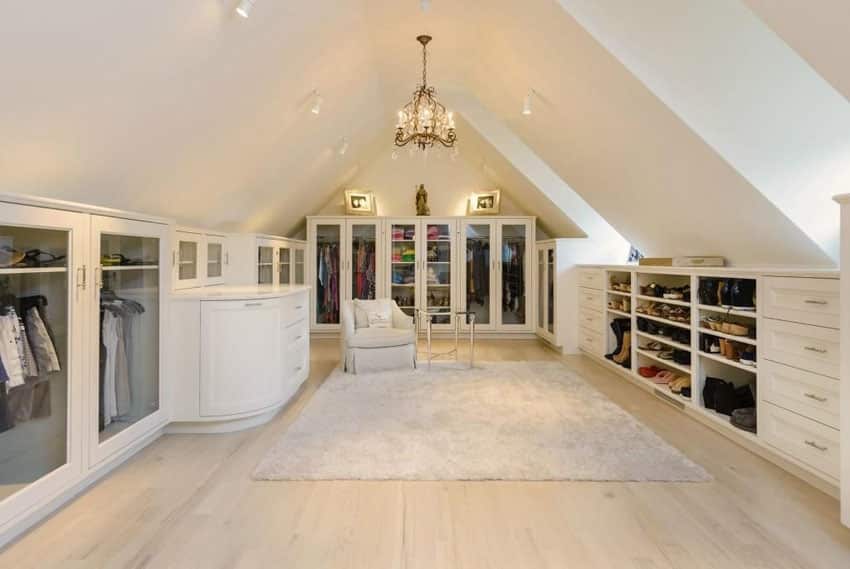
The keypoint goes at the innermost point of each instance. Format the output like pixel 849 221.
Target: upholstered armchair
pixel 376 336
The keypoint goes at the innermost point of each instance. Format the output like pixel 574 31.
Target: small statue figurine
pixel 422 201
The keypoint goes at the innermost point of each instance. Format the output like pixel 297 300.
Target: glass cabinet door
pixel 439 279
pixel 265 265
pixel 187 261
pixel 513 293
pixel 215 261
pixel 478 238
pixel 299 266
pixel 43 293
pixel 327 285
pixel 541 289
pixel 363 260
pixel 550 288
pixel 285 266
pixel 403 266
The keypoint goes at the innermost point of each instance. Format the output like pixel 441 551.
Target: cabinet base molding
pixel 223 425
pixel 39 513
pixel 819 480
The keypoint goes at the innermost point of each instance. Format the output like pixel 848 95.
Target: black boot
pixel 618 333
pixel 743 294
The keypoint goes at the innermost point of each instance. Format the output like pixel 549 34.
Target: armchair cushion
pixel 373 313
pixel 382 337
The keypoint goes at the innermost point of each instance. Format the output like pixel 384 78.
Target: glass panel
pixel 265 265
pixel 285 268
pixel 129 332
pixel 403 267
pixel 478 272
pixel 541 286
pixel 438 277
pixel 327 274
pixel 299 266
pixel 34 378
pixel 363 261
pixel 188 268
pixel 513 274
pixel 551 288
pixel 214 259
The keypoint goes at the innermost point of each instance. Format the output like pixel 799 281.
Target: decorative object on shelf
pixel 359 203
pixel 422 207
pixel 486 203
pixel 424 121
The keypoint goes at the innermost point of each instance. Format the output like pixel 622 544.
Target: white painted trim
pixel 81 208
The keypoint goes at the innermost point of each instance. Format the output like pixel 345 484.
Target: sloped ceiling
pixel 185 110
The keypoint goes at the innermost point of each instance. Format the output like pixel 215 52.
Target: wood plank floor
pixel 188 501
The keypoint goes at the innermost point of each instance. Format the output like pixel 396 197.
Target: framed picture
pixel 485 203
pixel 359 203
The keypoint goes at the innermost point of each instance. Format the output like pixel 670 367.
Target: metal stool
pixel 427 317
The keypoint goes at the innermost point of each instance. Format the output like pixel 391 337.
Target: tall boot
pixel 624 356
pixel 618 334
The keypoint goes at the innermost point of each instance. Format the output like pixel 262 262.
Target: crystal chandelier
pixel 424 121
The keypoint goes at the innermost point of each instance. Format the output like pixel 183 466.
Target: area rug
pixel 531 420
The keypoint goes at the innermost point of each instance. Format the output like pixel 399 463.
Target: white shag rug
pixel 500 421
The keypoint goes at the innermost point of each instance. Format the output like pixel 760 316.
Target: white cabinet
pixel 552 288
pixel 496 274
pixel 199 258
pixel 265 260
pixel 88 289
pixel 252 329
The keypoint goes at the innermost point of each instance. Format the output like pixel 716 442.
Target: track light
pixel 425 5
pixel 317 103
pixel 244 7
pixel 343 146
pixel 526 103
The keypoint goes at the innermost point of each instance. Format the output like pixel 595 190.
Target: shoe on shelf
pixel 709 391
pixel 745 419
pixel 707 293
pixel 680 383
pixel 648 371
pixel 664 377
pixel 666 355
pixel 748 356
pixel 625 349
pixel 743 294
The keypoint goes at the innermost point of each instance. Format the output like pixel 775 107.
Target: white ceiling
pixel 185 110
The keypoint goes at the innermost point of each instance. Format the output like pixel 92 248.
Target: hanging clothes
pixel 327 287
pixel 117 316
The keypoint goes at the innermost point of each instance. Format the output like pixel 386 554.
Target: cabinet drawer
pixel 296 334
pixel 803 392
pixel 806 440
pixel 591 341
pixel 810 301
pixel 591 278
pixel 294 307
pixel 591 319
pixel 811 348
pixel 589 298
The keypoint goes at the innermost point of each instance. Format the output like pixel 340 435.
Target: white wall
pixel 394 182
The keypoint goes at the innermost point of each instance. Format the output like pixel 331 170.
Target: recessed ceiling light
pixel 316 108
pixel 244 7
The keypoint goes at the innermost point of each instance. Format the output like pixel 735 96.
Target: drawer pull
pixel 815 349
pixel 299 368
pixel 816 397
pixel 298 338
pixel 299 307
pixel 819 301
pixel 815 445
pixel 253 304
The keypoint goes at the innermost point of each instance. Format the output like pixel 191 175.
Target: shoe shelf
pixel 724 420
pixel 727 311
pixel 741 339
pixel 664 340
pixel 657 300
pixel 726 361
pixel 663 320
pixel 668 363
pixel 618 292
pixel 618 312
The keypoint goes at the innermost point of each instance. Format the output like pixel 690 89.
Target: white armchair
pixel 378 347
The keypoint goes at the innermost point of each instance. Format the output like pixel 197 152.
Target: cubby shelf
pixel 131 268
pixel 732 363
pixel 618 312
pixel 742 339
pixel 663 300
pixel 729 311
pixel 33 270
pixel 618 292
pixel 663 320
pixel 664 340
pixel 668 363
pixel 724 420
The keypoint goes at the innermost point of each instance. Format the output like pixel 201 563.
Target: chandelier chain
pixel 424 65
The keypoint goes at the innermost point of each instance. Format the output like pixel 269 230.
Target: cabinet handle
pixel 813 444
pixel 815 349
pixel 98 277
pixel 253 304
pixel 227 258
pixel 173 258
pixel 299 368
pixel 816 397
pixel 815 301
pixel 81 277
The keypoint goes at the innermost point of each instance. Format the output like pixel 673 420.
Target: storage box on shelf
pixel 779 356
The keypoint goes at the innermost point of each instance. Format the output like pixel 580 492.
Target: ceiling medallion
pixel 424 121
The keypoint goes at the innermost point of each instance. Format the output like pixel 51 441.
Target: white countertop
pixel 248 292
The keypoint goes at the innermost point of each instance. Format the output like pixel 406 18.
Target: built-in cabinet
pixel 552 264
pixel 441 265
pixel 82 297
pixel 266 260
pixel 199 258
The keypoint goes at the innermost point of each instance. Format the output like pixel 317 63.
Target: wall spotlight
pixel 526 103
pixel 316 108
pixel 343 146
pixel 244 7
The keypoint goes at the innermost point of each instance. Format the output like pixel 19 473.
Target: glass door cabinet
pixel 403 263
pixel 363 266
pixel 43 295
pixel 438 265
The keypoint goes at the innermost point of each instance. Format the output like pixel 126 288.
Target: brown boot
pixel 626 349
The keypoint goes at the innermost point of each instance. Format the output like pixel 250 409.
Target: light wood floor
pixel 188 501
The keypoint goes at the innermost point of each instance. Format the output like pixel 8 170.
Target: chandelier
pixel 424 121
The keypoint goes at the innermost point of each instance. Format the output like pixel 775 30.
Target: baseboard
pixel 817 479
pixel 44 511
